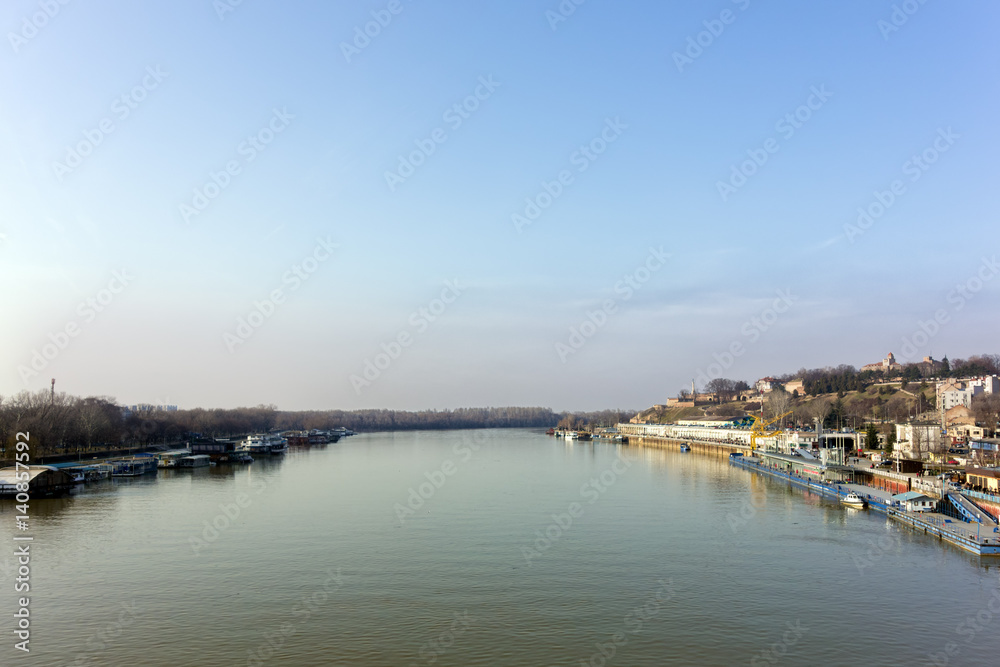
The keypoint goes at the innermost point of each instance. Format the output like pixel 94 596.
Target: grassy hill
pixel 885 401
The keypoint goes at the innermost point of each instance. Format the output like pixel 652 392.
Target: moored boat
pixel 263 445
pixel 685 447
pixel 854 500
pixel 195 461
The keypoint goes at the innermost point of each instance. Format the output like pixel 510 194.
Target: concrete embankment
pixel 696 444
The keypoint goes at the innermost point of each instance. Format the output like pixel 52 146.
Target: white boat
pixel 262 445
pixel 854 500
pixel 572 435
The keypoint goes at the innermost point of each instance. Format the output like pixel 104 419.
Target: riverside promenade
pixel 980 539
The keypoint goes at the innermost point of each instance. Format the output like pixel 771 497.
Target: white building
pixel 952 393
pixel 916 438
pixel 765 385
pixel 914 501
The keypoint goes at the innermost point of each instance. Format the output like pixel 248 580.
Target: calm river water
pixel 501 547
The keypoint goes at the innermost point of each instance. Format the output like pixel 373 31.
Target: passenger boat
pixel 255 445
pixel 572 435
pixel 854 500
pixel 685 447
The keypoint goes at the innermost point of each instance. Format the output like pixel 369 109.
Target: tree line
pixel 576 421
pixel 64 424
pixel 844 378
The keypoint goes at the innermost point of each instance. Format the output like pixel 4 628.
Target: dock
pixel 981 538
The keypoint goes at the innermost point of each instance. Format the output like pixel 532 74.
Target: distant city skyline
pixel 393 204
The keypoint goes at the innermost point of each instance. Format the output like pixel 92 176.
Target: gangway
pixel 967 509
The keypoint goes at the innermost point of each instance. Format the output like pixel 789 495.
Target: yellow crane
pixel 759 430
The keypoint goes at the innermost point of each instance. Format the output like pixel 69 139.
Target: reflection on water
pixel 304 560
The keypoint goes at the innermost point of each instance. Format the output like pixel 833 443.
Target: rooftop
pixel 910 495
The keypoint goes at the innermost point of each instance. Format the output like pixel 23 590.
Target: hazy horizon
pixel 488 205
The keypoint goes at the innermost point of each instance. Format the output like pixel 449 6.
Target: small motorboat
pixel 685 447
pixel 854 500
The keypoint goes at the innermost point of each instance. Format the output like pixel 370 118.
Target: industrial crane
pixel 759 430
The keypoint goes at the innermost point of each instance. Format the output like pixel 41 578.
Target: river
pixel 493 547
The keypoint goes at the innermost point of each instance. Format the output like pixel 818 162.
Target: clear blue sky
pixel 338 123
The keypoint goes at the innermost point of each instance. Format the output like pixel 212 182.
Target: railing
pixel 982 496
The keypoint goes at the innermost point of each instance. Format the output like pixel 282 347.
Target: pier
pixel 983 540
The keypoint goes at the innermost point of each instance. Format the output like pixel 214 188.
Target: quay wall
pixel 701 437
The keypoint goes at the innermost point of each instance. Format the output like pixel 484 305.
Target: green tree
pixel 871 436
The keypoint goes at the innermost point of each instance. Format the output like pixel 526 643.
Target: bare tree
pixel 986 409
pixel 819 408
pixel 777 402
pixel 921 441
pixel 724 388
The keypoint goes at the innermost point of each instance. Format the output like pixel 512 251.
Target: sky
pixel 414 205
